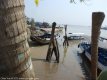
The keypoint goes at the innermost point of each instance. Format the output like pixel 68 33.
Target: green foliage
pixel 32 23
pixel 36 2
pixel 103 75
pixel 73 1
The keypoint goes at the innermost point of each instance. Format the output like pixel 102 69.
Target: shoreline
pixel 64 70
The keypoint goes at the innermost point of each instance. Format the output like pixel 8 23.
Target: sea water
pixel 84 29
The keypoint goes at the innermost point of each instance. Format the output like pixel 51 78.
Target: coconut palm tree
pixel 14 50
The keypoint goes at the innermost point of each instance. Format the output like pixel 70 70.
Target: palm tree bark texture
pixel 97 19
pixel 53 46
pixel 15 61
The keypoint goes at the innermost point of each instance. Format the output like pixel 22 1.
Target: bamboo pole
pixel 15 61
pixel 97 19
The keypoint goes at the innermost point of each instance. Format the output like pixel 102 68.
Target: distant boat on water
pixel 104 28
pixel 75 36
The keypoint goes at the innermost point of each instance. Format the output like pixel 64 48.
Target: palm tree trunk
pixel 97 19
pixel 14 50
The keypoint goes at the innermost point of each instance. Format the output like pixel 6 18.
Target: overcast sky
pixel 64 12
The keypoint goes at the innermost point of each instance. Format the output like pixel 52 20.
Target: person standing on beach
pixel 65 43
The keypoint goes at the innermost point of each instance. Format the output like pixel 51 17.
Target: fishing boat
pixel 102 53
pixel 75 36
pixel 43 39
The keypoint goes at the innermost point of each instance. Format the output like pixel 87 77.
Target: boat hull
pixel 40 40
pixel 87 53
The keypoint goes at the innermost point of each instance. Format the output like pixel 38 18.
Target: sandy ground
pixel 67 69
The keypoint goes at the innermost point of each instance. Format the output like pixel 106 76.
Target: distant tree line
pixel 31 22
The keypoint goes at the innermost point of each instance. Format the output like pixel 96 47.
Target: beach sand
pixel 67 69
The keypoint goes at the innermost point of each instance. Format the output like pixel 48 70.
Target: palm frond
pixel 73 1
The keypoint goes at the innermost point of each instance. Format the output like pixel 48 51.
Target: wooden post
pixel 15 61
pixel 53 46
pixel 97 19
pixel 65 37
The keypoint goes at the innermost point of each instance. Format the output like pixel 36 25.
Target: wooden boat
pixel 40 40
pixel 75 36
pixel 102 54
